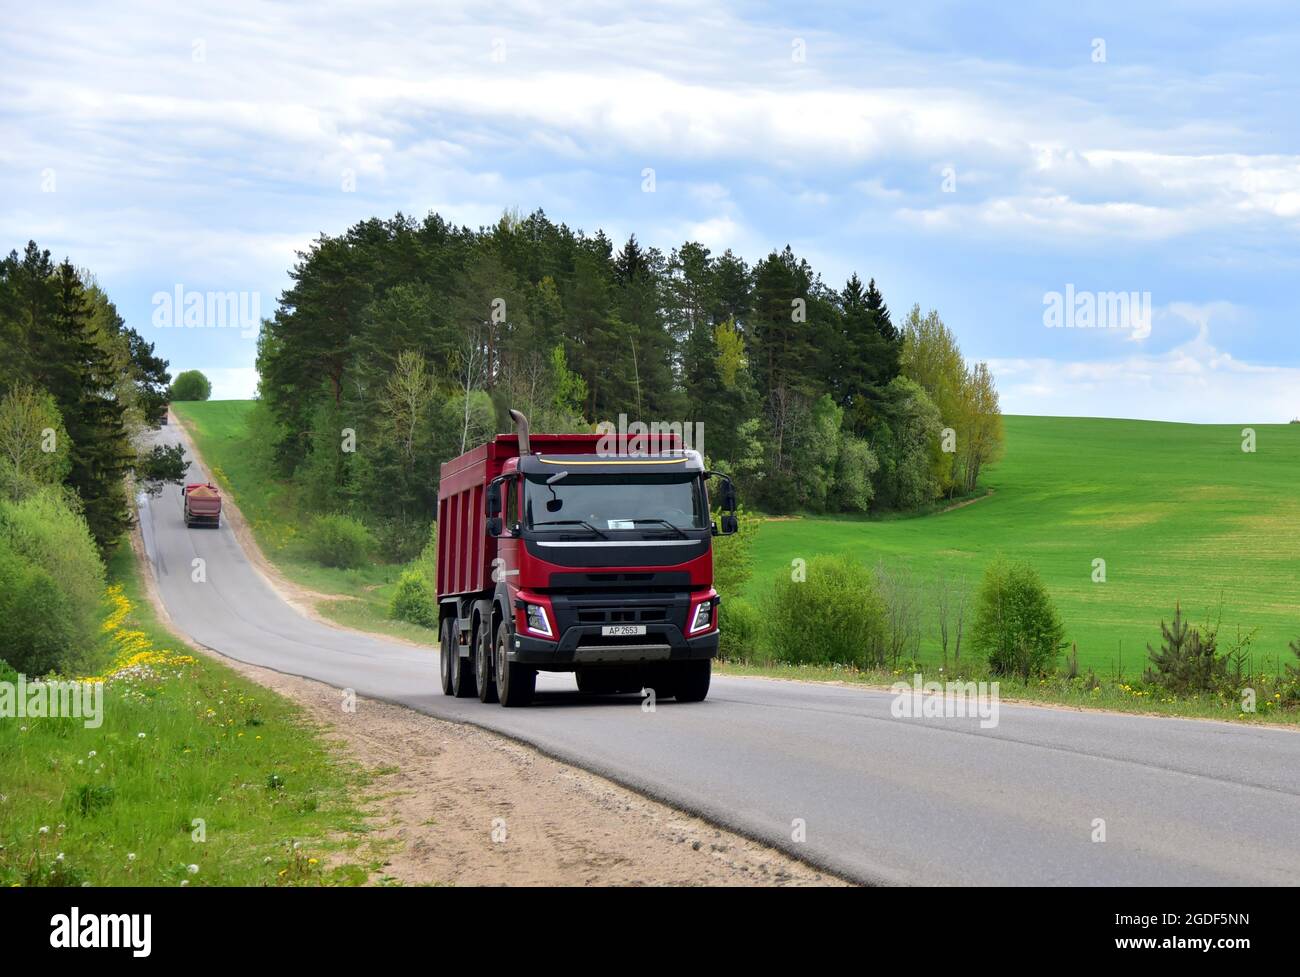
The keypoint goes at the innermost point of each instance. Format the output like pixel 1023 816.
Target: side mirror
pixel 728 495
pixel 727 490
pixel 494 499
pixel 494 526
pixel 729 524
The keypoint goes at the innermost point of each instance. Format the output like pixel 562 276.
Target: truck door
pixel 508 542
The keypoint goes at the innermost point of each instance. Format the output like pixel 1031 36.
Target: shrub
pixel 733 556
pixel 427 562
pixel 53 582
pixel 834 616
pixel 1187 661
pixel 1016 625
pixel 399 539
pixel 414 600
pixel 191 385
pixel 741 632
pixel 39 634
pixel 339 541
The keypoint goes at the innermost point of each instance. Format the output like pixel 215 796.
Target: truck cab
pixel 600 563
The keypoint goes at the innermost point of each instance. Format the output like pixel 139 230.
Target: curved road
pixel 876 799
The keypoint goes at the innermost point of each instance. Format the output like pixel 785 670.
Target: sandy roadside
pixel 462 806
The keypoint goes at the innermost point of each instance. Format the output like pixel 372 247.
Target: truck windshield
pixel 654 503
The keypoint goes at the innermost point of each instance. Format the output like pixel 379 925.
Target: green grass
pixel 1177 511
pixel 1052 690
pixel 119 803
pixel 279 521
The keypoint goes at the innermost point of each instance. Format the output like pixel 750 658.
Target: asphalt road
pixel 876 798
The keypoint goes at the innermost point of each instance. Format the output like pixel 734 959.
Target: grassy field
pixel 279 521
pixel 195 777
pixel 1177 511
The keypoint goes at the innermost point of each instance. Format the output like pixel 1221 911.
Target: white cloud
pixel 1194 381
pixel 229 383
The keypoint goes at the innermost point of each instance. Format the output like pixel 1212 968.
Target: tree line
pixel 402 342
pixel 76 386
pixel 77 383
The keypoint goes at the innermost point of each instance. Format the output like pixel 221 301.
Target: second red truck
pixel 579 553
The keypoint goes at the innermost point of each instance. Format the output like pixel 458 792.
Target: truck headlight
pixel 703 619
pixel 535 616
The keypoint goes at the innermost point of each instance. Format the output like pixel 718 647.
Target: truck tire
pixel 691 681
pixel 516 683
pixel 462 674
pixel 446 650
pixel 484 676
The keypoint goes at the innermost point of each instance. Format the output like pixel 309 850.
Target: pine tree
pixel 1186 661
pixel 880 312
pixel 82 383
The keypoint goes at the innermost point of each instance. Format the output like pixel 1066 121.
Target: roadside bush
pixel 414 600
pixel 427 562
pixel 52 582
pixel 741 635
pixel 39 636
pixel 733 556
pixel 831 614
pixel 1016 625
pixel 339 541
pixel 1188 660
pixel 399 539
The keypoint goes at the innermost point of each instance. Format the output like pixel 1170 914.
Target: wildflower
pixel 185 882
pixel 45 829
pixel 140 735
pixel 193 870
pixel 130 856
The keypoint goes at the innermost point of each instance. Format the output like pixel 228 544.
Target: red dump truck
pixel 201 504
pixel 582 553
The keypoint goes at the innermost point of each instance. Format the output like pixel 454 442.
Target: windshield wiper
pixel 664 522
pixel 571 522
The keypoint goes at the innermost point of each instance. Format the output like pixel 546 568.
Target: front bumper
pixel 583 645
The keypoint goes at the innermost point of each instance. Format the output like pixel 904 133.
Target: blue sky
pixel 973 162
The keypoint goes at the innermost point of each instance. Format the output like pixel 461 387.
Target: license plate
pixel 621 630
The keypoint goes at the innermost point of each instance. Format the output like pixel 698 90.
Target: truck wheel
pixel 691 683
pixel 483 675
pixel 516 682
pixel 462 675
pixel 446 651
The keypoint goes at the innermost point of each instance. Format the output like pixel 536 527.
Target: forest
pixel 402 342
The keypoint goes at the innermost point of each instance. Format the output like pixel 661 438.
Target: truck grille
pixel 613 615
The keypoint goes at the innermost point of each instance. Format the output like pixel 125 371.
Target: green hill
pixel 1177 511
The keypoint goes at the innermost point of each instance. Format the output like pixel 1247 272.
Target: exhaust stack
pixel 521 426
